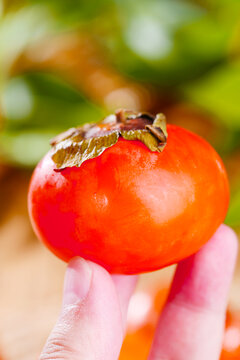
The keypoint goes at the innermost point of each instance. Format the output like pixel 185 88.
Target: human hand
pixel 92 322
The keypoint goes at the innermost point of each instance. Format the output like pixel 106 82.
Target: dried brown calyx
pixel 77 145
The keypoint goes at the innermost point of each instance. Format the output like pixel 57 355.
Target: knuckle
pixel 59 345
pixel 57 349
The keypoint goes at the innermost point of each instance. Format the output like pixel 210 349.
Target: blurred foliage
pixel 233 216
pixel 65 62
pixel 219 93
pixel 42 98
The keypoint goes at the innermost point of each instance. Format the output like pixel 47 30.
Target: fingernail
pixel 77 281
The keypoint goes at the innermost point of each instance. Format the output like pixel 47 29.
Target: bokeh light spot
pixel 148 38
pixel 17 99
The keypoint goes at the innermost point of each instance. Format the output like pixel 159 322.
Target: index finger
pixel 192 322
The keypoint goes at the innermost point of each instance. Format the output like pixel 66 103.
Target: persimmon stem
pixel 156 131
pixel 77 145
pixel 120 116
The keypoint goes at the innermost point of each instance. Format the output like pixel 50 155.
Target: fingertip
pixel 78 263
pixel 77 282
pixel 204 278
pixel 78 279
pixel 227 239
pixel 90 321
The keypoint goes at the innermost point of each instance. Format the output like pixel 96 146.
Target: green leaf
pixel 24 148
pixel 44 100
pixel 169 42
pixel 20 28
pixel 233 216
pixel 218 93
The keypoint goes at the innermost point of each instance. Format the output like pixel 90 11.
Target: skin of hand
pixel 92 322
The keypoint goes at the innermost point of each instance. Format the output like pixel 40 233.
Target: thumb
pixel 90 325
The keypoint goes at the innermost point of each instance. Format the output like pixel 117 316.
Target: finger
pixel 90 325
pixel 192 323
pixel 125 285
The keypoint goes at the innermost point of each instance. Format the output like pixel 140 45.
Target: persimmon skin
pixel 132 210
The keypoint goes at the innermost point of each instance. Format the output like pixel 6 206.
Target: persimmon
pixel 231 340
pixel 129 193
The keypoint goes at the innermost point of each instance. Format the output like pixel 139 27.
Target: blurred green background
pixel 66 62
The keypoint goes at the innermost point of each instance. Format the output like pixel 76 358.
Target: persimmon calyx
pixel 79 144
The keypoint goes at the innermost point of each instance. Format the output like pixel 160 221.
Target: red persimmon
pixel 127 207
